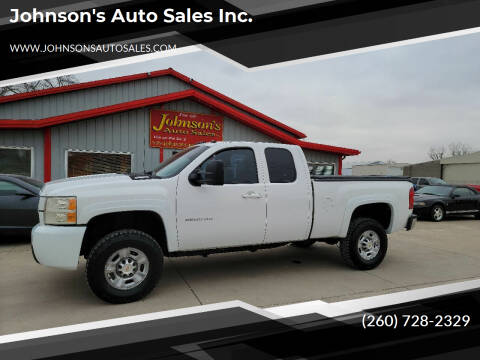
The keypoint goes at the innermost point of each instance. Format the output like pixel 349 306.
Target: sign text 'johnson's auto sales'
pixel 179 130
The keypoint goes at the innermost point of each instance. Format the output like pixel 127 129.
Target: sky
pixel 391 104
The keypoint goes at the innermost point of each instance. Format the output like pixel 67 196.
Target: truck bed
pixel 335 198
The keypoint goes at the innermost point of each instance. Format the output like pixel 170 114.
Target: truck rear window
pixel 281 167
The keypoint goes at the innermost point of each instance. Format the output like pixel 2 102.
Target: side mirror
pixel 455 196
pixel 214 172
pixel 195 178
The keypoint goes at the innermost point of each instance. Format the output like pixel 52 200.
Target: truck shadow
pixel 286 259
pixel 248 267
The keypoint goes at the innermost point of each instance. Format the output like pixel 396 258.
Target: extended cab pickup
pixel 212 197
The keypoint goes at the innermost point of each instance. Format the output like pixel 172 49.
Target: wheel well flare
pixel 380 212
pixel 147 221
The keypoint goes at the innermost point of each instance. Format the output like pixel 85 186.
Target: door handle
pixel 252 195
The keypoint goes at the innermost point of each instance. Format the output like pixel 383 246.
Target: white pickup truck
pixel 209 198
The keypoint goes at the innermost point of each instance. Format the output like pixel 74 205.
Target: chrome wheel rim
pixel 438 213
pixel 368 245
pixel 126 268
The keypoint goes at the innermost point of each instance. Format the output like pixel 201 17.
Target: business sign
pixel 179 130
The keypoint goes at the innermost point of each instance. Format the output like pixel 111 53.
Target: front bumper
pixel 57 246
pixel 412 221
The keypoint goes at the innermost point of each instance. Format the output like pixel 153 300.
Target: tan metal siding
pixel 473 158
pixel 462 173
pixel 427 169
pixel 385 169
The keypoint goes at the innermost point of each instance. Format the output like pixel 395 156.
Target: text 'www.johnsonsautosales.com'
pixel 91 48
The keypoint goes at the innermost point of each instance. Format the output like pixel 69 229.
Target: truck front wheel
pixel 124 266
pixel 365 245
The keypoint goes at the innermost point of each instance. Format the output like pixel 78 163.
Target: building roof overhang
pixel 153 74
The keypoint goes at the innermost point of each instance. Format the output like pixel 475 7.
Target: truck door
pixel 230 215
pixel 289 196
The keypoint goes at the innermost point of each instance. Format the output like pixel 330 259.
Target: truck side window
pixel 240 166
pixel 281 167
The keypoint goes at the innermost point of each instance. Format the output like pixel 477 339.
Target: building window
pixel 281 167
pixel 16 160
pixel 321 169
pixel 80 163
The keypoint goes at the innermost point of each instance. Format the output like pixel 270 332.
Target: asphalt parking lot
pixel 35 297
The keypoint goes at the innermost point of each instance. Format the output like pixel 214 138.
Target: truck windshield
pixel 179 161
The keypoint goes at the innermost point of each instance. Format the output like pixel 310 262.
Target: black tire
pixel 105 248
pixel 303 244
pixel 477 215
pixel 349 247
pixel 435 212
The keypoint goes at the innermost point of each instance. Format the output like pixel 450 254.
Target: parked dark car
pixel 436 202
pixel 420 182
pixel 18 204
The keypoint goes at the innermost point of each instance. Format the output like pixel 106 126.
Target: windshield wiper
pixel 144 175
pixel 153 174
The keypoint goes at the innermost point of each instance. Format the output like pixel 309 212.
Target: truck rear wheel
pixel 124 266
pixel 365 245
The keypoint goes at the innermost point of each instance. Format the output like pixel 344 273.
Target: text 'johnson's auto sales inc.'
pixel 179 130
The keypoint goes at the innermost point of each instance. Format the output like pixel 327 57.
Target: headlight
pixel 421 203
pixel 61 211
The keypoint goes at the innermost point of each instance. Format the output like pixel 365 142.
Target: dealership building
pixel 131 124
